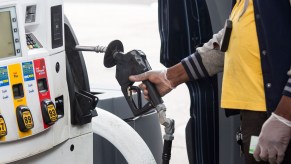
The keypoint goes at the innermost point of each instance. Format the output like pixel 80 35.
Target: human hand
pixel 273 140
pixel 158 78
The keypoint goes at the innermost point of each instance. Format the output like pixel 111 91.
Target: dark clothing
pixel 273 21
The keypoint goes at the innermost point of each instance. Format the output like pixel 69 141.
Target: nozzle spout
pixel 97 49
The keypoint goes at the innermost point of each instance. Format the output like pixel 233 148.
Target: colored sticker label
pixel 52 113
pixel 16 78
pixel 28 73
pixel 3 129
pixel 40 73
pixel 4 81
pixel 27 118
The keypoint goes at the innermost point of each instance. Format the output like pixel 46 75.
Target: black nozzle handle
pixel 136 109
pixel 154 95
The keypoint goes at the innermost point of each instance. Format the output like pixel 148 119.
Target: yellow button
pixel 3 129
pixel 27 118
pixel 52 112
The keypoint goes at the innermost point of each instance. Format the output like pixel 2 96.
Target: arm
pixel 284 106
pixel 276 131
pixel 207 61
pixel 177 75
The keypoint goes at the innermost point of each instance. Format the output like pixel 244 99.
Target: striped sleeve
pixel 287 89
pixel 194 66
pixel 203 64
pixel 206 61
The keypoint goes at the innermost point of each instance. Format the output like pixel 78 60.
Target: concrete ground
pixel 135 23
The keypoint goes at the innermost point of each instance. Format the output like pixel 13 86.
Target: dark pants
pixel 251 124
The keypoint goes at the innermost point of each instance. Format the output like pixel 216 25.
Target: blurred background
pixel 135 23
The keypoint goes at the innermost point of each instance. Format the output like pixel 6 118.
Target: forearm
pixel 177 75
pixel 284 108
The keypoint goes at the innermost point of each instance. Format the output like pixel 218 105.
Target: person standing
pixel 255 79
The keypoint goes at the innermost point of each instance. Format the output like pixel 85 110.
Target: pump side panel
pixel 33 42
pixel 74 151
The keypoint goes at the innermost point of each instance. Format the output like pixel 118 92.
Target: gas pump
pixel 46 107
pixel 35 99
pixel 34 104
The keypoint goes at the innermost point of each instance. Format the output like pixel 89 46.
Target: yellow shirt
pixel 242 86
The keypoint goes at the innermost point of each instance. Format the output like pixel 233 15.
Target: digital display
pixel 18 91
pixel 7 48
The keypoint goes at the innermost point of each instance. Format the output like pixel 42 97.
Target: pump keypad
pixel 3 128
pixel 32 42
pixel 24 118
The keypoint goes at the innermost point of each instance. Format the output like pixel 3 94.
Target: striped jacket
pixel 273 23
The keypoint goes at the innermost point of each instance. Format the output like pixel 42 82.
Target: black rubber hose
pixel 167 151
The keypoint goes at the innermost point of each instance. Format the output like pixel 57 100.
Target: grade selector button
pixel 3 128
pixel 24 118
pixel 49 112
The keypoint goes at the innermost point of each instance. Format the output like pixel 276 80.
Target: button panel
pixel 25 100
pixel 32 42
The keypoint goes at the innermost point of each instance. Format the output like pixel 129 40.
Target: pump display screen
pixel 9 36
pixel 6 42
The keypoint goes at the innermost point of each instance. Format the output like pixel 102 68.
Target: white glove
pixel 159 78
pixel 273 140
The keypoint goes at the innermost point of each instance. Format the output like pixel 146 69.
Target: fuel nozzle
pixel 132 63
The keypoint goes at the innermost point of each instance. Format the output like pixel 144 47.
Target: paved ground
pixel 135 23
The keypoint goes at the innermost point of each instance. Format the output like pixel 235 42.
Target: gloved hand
pixel 273 140
pixel 159 78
